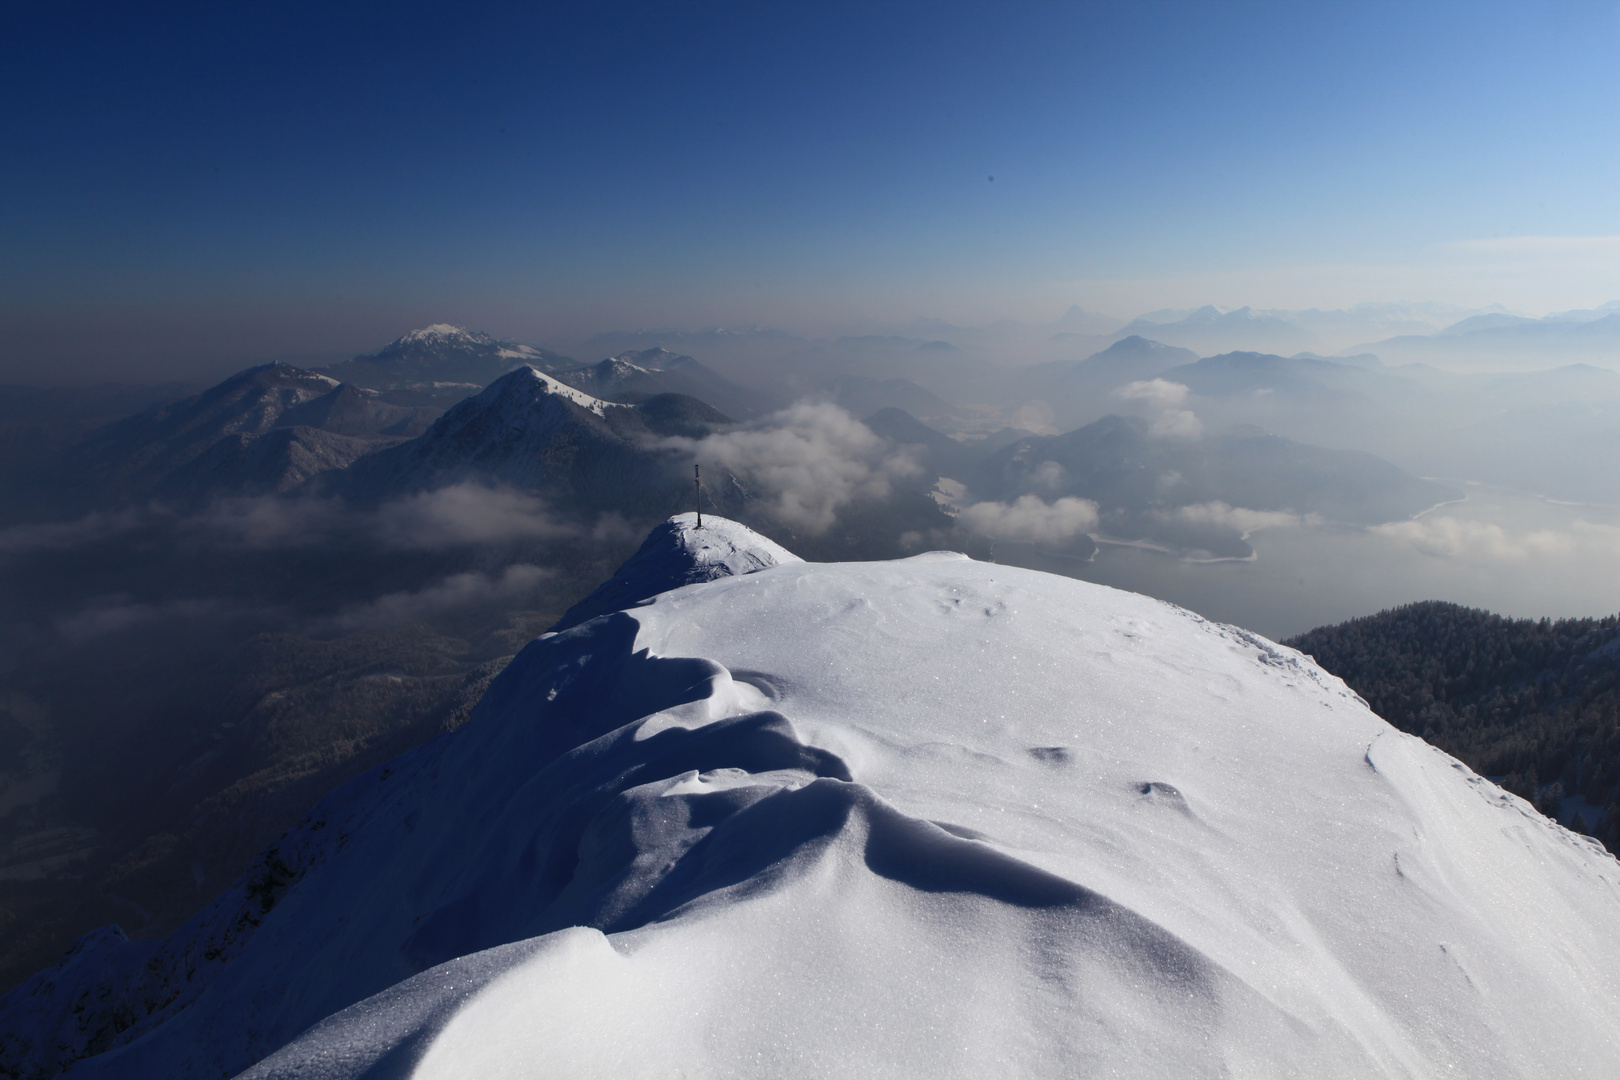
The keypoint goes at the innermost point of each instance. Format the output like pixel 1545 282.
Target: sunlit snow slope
pixel 928 818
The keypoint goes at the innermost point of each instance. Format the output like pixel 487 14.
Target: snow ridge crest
pixel 676 553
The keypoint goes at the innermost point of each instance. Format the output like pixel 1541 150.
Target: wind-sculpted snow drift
pixel 932 817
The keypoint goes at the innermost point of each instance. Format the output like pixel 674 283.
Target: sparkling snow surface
pixel 927 818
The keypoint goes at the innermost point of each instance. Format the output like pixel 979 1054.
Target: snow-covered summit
pixel 616 367
pixel 678 553
pixel 517 392
pixel 443 354
pixel 932 817
pixel 442 332
pixel 531 431
pixel 637 375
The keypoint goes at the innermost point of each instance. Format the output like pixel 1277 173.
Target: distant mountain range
pixel 1211 329
pixel 1550 432
pixel 635 376
pixel 590 438
pixel 442 358
pixel 267 429
pixel 530 431
pixel 1077 391
pixel 276 428
pixel 1507 342
pixel 1201 492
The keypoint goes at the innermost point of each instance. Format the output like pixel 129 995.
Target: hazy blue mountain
pixel 210 443
pixel 356 411
pixel 1127 360
pixel 131 458
pixel 743 354
pixel 443 354
pixel 1585 314
pixel 39 424
pixel 636 376
pixel 1548 431
pixel 861 396
pixel 530 431
pixel 1298 378
pixel 1498 342
pixel 1210 328
pixel 1143 482
pixel 1077 391
pixel 280 461
pixel 1494 320
pixel 941 454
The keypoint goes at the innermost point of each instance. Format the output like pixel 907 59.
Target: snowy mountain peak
pixel 656 358
pixel 678 553
pixel 281 374
pixel 618 368
pixel 444 333
pixel 526 386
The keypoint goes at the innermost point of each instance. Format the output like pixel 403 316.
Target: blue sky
pixel 236 181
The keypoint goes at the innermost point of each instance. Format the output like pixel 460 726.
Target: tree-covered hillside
pixel 1535 705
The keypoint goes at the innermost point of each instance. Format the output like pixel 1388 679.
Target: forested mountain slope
pixel 1536 703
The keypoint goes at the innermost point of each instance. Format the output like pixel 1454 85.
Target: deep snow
pixel 932 817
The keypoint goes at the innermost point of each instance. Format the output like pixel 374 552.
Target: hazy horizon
pixel 136 352
pixel 187 195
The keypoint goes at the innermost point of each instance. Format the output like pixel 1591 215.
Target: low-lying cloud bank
pixel 457 592
pixel 805 463
pixel 1468 540
pixel 1164 400
pixel 276 563
pixel 464 515
pixel 1030 519
pixel 116 614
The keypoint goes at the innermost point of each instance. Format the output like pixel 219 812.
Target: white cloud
pixel 1164 399
pixel 1466 540
pixel 1034 416
pixel 110 615
pixel 466 514
pixel 1050 475
pixel 1236 517
pixel 1159 393
pixel 1176 424
pixel 271 522
pixel 1030 519
pixel 446 595
pixel 805 462
pixel 90 529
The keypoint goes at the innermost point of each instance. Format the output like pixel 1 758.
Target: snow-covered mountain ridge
pixel 443 354
pixel 927 817
pixel 680 552
pixel 531 431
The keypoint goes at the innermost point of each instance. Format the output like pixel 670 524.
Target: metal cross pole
pixel 697 481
